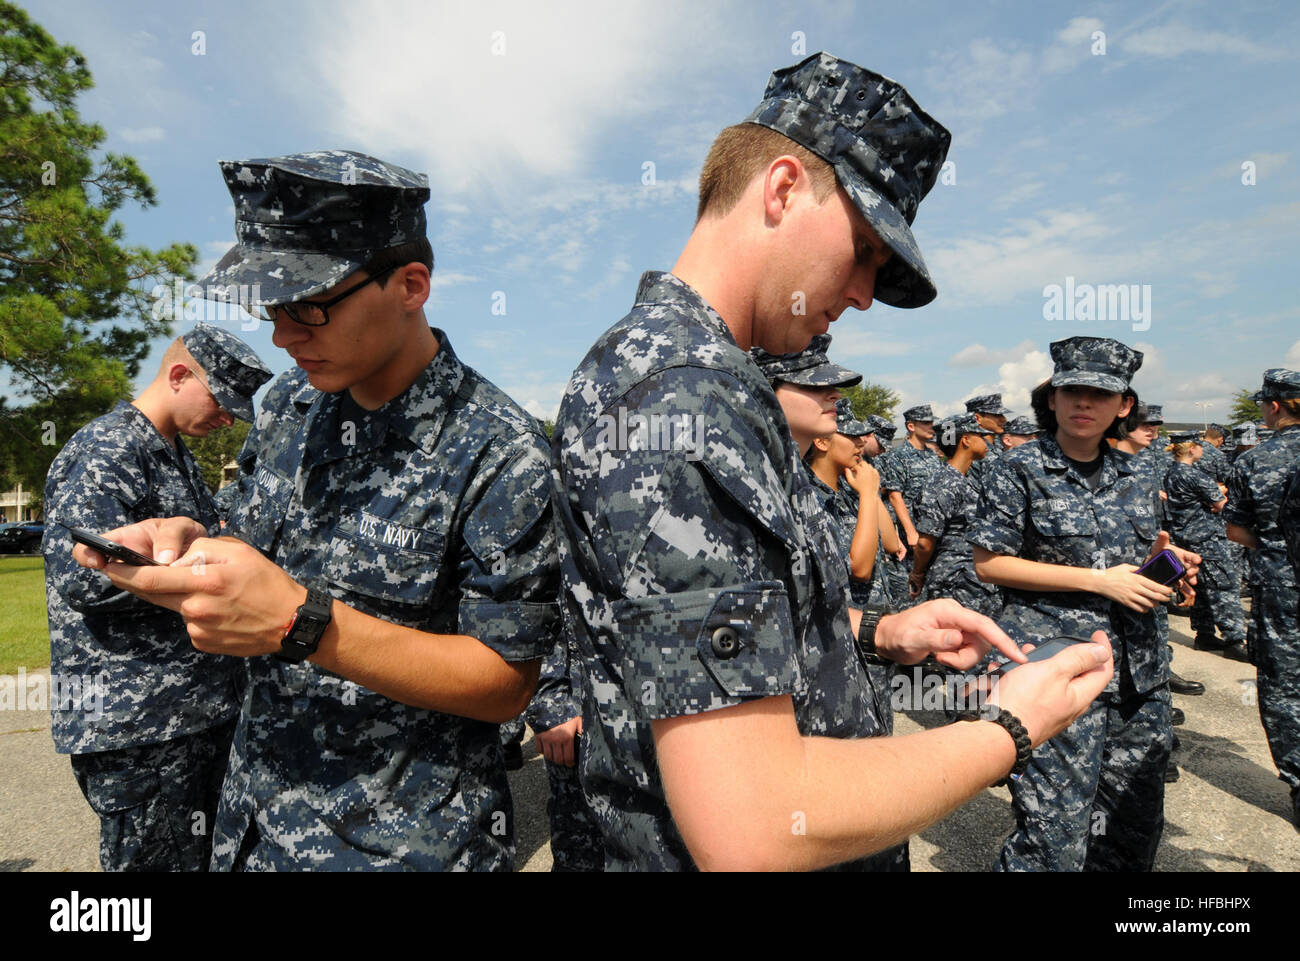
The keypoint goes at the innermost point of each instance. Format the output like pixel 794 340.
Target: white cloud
pixel 1175 39
pixel 481 98
pixel 1018 378
pixel 865 342
pixel 1266 164
pixel 1293 356
pixel 977 355
pixel 1072 45
pixel 141 134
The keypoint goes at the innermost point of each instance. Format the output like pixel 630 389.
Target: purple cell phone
pixel 1164 568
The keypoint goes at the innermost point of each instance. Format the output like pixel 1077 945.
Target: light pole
pixel 1205 406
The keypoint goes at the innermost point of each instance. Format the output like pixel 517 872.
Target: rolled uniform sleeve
pixel 705 549
pixel 938 503
pixel 508 578
pixel 999 525
pixel 1240 509
pixel 99 494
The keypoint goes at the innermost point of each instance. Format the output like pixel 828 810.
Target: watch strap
pixel 302 636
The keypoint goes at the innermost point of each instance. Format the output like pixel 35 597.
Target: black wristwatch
pixel 303 634
pixel 871 616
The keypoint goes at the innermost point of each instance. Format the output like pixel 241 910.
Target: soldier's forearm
pixel 1242 536
pixel 1026 575
pixel 452 673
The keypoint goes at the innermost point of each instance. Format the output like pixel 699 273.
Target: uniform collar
pixel 143 426
pixel 417 414
pixel 659 288
pixel 1114 463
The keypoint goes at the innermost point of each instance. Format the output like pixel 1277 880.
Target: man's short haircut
pixel 1212 433
pixel 176 353
pixel 742 152
pixel 416 251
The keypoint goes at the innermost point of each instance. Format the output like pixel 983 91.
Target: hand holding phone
pixel 1164 568
pixel 110 549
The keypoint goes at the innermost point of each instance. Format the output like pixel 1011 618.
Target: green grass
pixel 24 631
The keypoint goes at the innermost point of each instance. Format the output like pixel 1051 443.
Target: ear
pixel 176 375
pixel 1126 406
pixel 1051 399
pixel 779 182
pixel 823 444
pixel 412 282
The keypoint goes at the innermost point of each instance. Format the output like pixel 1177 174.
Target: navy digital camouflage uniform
pixel 946 512
pixel 1217 464
pixel 431 512
pixel 907 471
pixel 699 579
pixel 699 582
pixel 844 509
pixel 1193 526
pixel 1093 797
pixel 1255 492
pixel 987 404
pixel 576 843
pixel 434 516
pixel 149 750
pixel 881 586
pixel 1288 519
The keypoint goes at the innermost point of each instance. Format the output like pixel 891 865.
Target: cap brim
pixel 853 429
pixel 1090 378
pixel 828 374
pixel 904 280
pixel 236 404
pixel 262 276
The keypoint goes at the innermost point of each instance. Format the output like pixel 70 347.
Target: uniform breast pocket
pixel 1066 534
pixel 257 517
pixel 394 573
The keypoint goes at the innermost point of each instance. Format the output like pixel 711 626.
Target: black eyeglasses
pixel 311 313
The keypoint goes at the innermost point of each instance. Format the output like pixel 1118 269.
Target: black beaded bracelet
pixel 1012 725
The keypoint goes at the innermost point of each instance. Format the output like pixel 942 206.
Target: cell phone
pixel 1045 650
pixel 1164 568
pixel 109 548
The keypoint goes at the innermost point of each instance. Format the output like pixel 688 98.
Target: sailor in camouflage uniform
pixel 1020 430
pixel 796 379
pixel 1195 522
pixel 989 411
pixel 944 565
pixel 555 715
pixel 1093 798
pixel 408 500
pixel 703 574
pixel 1255 492
pixel 150 755
pixel 904 473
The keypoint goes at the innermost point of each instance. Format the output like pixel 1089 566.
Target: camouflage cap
pixel 882 428
pixel 988 404
pixel 1099 362
pixel 1021 427
pixel 1151 414
pixel 1185 437
pixel 958 424
pixel 1245 435
pixel 234 372
pixel 305 221
pixel 886 152
pixel 1279 384
pixel 808 368
pixel 920 414
pixel 845 421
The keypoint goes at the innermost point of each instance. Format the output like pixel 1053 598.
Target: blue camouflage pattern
pixel 1193 526
pixel 431 512
pixel 1255 492
pixel 115 471
pixel 696 579
pixel 885 150
pixel 1109 766
pixel 1100 362
pixel 946 512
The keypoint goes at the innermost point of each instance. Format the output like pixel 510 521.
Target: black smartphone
pixel 109 548
pixel 1164 568
pixel 1045 650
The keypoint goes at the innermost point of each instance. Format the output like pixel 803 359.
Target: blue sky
pixel 535 122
